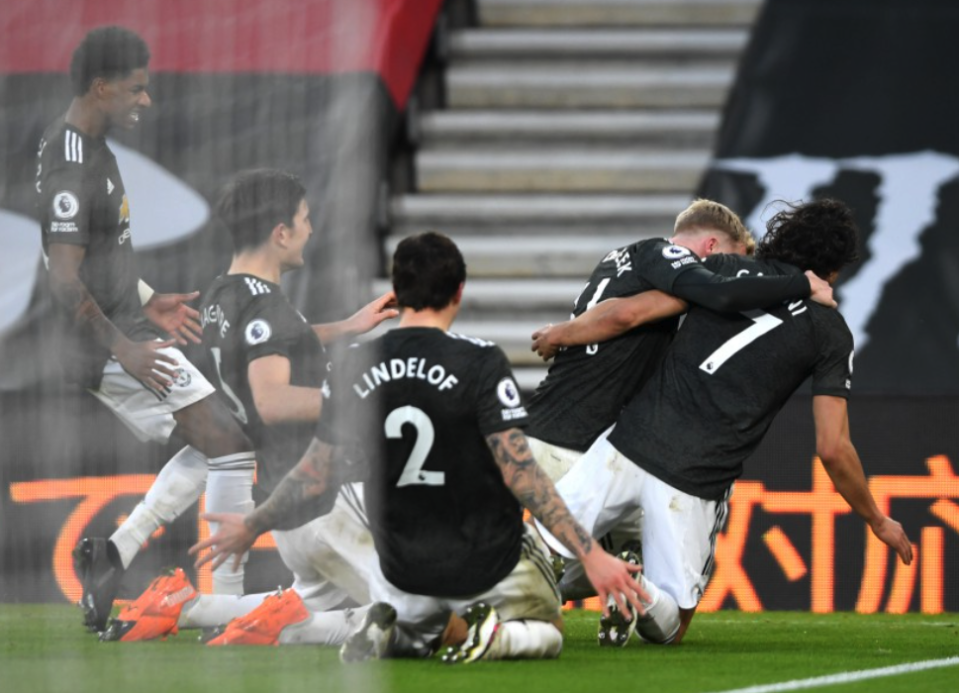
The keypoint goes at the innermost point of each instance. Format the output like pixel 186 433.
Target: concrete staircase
pixel 570 127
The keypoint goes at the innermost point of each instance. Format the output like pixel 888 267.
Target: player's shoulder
pixel 729 264
pixel 655 252
pixel 830 319
pixel 241 289
pixel 62 145
pixel 448 344
pixel 652 247
pixel 468 342
pixel 249 296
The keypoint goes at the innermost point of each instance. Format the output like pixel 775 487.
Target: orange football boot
pixel 155 612
pixel 262 626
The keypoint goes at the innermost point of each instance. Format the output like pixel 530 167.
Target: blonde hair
pixel 707 214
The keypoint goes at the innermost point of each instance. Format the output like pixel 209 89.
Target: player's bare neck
pixel 86 118
pixel 440 319
pixel 257 265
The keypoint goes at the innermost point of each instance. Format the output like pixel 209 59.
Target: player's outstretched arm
pixel 362 321
pixel 236 534
pixel 141 359
pixel 842 463
pixel 609 575
pixel 606 320
pixel 171 314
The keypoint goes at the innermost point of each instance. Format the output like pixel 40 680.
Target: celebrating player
pixel 112 319
pixel 439 417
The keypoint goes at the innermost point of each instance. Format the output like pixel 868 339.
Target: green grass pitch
pixel 44 648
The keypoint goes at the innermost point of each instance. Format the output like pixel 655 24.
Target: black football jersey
pixel 81 201
pixel 587 386
pixel 245 318
pixel 726 376
pixel 421 402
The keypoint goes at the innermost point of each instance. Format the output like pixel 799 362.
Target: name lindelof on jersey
pixel 396 369
pixel 213 315
pixel 621 258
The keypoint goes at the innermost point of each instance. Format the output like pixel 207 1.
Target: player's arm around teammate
pixel 617 316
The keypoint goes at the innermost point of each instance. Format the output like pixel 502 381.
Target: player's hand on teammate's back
pixel 614 577
pixel 821 290
pixel 891 533
pixel 232 538
pixel 171 314
pixel 145 362
pixel 541 344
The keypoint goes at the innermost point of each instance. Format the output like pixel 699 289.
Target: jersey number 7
pixel 763 322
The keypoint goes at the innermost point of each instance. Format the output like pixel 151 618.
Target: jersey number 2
pixel 413 472
pixel 763 322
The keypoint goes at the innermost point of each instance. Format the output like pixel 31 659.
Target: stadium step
pixel 606 13
pixel 561 170
pixel 681 45
pixel 549 216
pixel 617 85
pixel 530 129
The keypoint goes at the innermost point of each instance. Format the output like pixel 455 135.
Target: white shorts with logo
pixel 556 461
pixel 604 489
pixel 528 592
pixel 146 412
pixel 331 556
pixel 553 459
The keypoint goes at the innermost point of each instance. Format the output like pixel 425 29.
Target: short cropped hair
pixel 255 201
pixel 428 269
pixel 107 52
pixel 821 236
pixel 713 215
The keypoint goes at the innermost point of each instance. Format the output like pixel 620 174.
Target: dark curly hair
pixel 820 236
pixel 108 52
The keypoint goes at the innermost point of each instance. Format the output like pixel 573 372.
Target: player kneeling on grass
pixel 439 418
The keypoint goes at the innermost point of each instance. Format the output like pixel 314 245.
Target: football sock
pixel 229 489
pixel 324 627
pixel 214 610
pixel 661 622
pixel 177 487
pixel 526 640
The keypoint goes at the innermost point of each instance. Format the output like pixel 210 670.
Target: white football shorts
pixel 331 556
pixel 528 592
pixel 605 489
pixel 147 412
